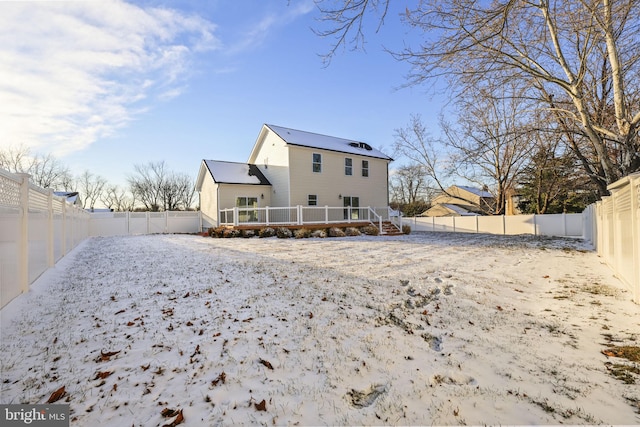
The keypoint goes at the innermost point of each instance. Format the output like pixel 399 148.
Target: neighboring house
pixel 289 167
pixel 460 200
pixel 71 196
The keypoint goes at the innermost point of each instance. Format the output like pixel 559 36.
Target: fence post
pixel 564 224
pixel 63 231
pixel 50 235
pixel 166 221
pixel 299 213
pixel 635 232
pixel 23 251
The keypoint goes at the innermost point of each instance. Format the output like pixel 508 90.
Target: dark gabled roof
pixel 325 142
pixel 235 173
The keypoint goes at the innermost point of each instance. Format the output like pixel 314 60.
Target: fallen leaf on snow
pixel 219 379
pixel 262 406
pixel 56 395
pixel 266 363
pixel 102 375
pixel 106 356
pixel 168 413
pixel 178 420
pixel 197 350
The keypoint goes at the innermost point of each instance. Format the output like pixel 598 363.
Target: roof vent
pixel 362 145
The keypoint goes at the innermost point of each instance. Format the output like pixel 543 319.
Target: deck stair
pixel 390 229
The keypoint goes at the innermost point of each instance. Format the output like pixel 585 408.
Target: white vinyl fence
pixel 37 228
pixel 616 230
pixel 128 223
pixel 560 225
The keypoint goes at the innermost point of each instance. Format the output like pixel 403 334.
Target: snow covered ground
pixel 431 328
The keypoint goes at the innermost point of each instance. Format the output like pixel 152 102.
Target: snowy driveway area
pixel 421 329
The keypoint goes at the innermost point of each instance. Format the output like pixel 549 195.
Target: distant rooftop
pixel 476 191
pixel 325 142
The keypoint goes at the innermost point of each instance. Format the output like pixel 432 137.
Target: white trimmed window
pixel 312 200
pixel 365 168
pixel 317 162
pixel 348 166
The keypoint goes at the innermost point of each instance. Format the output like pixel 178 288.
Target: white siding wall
pixel 332 181
pixel 273 161
pixel 209 198
pixel 229 193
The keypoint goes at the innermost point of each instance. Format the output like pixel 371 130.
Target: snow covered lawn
pixel 422 329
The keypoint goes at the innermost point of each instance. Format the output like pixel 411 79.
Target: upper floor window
pixel 313 200
pixel 317 162
pixel 365 168
pixel 348 166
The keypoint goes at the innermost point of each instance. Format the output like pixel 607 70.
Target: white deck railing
pixel 307 215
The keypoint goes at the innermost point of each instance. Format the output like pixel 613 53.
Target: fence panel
pixel 520 224
pixel 36 229
pixel 157 223
pixel 183 222
pixel 550 225
pixel 37 244
pixel 617 231
pixel 109 224
pixel 491 224
pixel 9 250
pixel 138 223
pixel 444 223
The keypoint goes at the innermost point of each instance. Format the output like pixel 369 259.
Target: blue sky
pixel 104 86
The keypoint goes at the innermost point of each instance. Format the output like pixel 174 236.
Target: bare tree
pixel 147 185
pixel 46 171
pixel 584 51
pixel 415 143
pixel 178 192
pixel 117 199
pixel 347 22
pixel 89 187
pixel 408 184
pixel 492 142
pixel 158 188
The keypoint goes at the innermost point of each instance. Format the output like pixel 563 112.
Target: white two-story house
pixel 289 168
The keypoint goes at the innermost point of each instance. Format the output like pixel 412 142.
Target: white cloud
pixel 259 31
pixel 72 72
